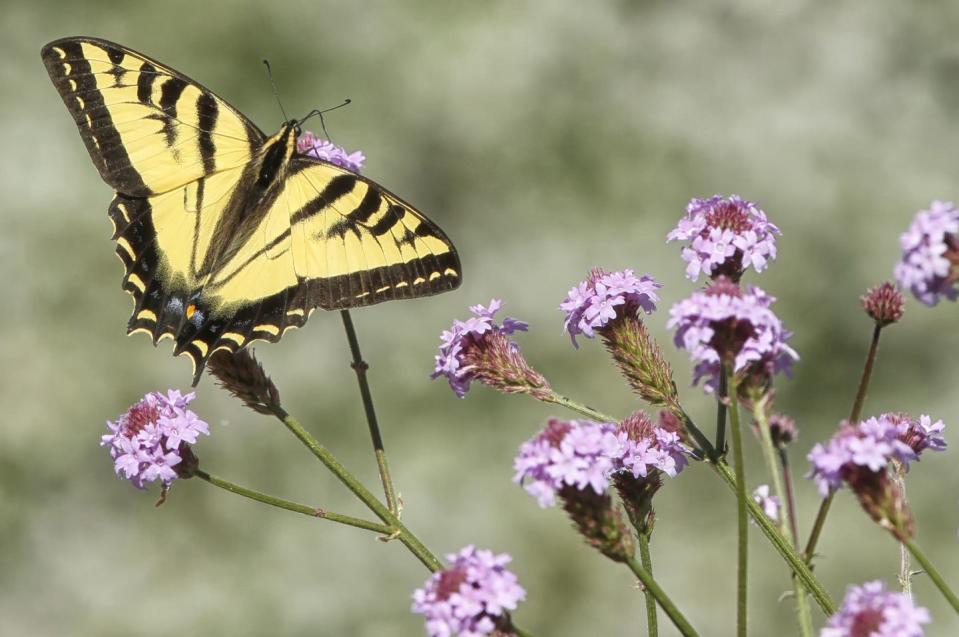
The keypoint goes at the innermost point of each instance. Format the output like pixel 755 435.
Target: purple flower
pixel 477 349
pixel 727 322
pixel 312 146
pixel 152 438
pixel 566 455
pixel 872 611
pixel 726 236
pixel 470 597
pixel 639 447
pixel 605 296
pixel 929 267
pixel 871 445
pixel 770 503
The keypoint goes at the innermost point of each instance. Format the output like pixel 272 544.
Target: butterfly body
pixel 229 236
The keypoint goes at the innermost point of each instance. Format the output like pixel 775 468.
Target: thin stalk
pixel 742 548
pixel 781 544
pixel 790 496
pixel 360 367
pixel 291 506
pixel 769 454
pixel 933 574
pixel 580 408
pixel 652 629
pixel 853 417
pixel 817 525
pixel 866 375
pixel 905 566
pixel 679 621
pixel 398 529
pixel 721 416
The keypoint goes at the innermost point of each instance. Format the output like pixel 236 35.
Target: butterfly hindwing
pixel 148 128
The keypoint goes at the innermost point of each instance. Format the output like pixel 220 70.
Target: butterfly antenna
pixel 276 94
pixel 318 112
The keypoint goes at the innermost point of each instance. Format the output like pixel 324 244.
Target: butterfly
pixel 228 236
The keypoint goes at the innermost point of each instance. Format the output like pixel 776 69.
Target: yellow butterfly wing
pixel 228 237
pixel 148 128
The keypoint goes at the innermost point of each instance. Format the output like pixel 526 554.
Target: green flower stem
pixel 742 563
pixel 360 366
pixel 769 454
pixel 790 498
pixel 721 416
pixel 660 595
pixel 291 506
pixel 781 544
pixel 652 630
pixel 810 550
pixel 854 414
pixel 905 567
pixel 398 529
pixel 933 574
pixel 580 408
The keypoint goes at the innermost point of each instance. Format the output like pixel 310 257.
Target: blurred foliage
pixel 546 138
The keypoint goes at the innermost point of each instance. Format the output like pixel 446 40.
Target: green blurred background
pixel 546 138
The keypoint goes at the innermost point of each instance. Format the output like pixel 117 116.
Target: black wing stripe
pixel 339 186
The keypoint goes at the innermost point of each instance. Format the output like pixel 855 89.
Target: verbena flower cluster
pixel 929 267
pixel 871 445
pixel 148 441
pixel 576 453
pixel 465 334
pixel 726 235
pixel 603 296
pixel 726 320
pixel 470 597
pixel 313 146
pixel 642 447
pixel 872 611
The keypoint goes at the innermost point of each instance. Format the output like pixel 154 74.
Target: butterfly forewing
pixel 148 128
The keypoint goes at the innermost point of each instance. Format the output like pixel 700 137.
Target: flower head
pixel 726 322
pixel 929 267
pixel 641 447
pixel 769 503
pixel 870 445
pixel 312 146
pixel 573 454
pixel 470 597
pixel 643 452
pixel 151 440
pixel 883 303
pixel 478 349
pixel 872 611
pixel 604 297
pixel 726 235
